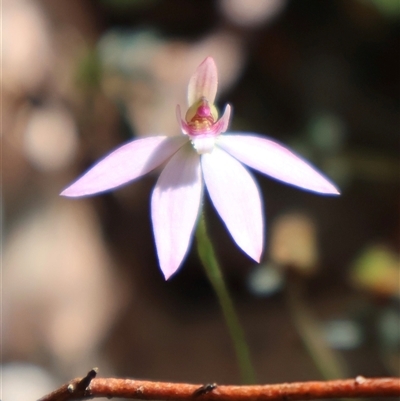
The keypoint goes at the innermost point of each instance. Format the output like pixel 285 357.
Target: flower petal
pixel 269 157
pixel 237 199
pixel 204 82
pixel 182 123
pixel 126 163
pixel 223 122
pixel 175 206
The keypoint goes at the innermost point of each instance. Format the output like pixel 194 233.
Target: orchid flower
pixel 204 156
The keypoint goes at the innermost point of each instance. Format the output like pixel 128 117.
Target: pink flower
pixel 202 156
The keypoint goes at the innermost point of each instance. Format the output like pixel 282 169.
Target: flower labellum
pixel 205 155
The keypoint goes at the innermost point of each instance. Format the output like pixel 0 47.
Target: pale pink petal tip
pixel 271 158
pixel 204 82
pixel 175 206
pixel 182 123
pixel 237 199
pixel 224 120
pixel 125 164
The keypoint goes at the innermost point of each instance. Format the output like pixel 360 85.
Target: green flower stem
pixel 214 274
pixel 327 361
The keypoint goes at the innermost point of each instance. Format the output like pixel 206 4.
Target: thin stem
pixel 326 360
pixel 214 274
pixel 89 388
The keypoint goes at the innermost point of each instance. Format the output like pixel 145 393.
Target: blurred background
pixel 81 283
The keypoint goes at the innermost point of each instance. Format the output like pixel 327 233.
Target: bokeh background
pixel 81 285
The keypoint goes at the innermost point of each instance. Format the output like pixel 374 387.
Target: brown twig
pixel 89 387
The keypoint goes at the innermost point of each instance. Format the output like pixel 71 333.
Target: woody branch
pixel 90 387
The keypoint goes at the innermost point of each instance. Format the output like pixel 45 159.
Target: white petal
pixel 269 157
pixel 237 199
pixel 126 163
pixel 175 206
pixel 204 82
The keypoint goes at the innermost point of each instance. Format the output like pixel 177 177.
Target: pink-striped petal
pixel 223 122
pixel 126 163
pixel 204 82
pixel 175 206
pixel 182 123
pixel 269 157
pixel 237 199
